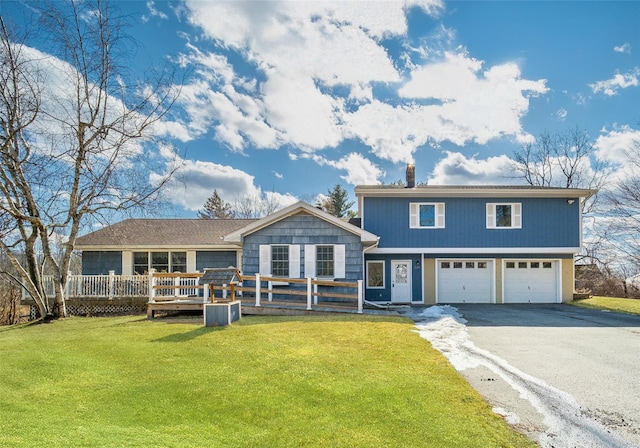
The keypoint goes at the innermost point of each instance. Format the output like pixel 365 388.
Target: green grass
pixel 630 306
pixel 352 381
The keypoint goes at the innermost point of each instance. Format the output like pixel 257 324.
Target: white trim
pixel 516 215
pixel 238 235
pixel 438 215
pixel 474 250
pixel 496 191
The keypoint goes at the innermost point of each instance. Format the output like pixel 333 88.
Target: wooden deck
pixel 270 308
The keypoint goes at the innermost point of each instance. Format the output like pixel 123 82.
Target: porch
pixel 175 292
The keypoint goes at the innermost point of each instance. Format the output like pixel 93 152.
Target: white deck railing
pixel 163 286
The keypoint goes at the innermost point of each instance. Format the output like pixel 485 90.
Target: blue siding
pixel 303 229
pixel 384 295
pixel 101 262
pixel 215 259
pixel 546 222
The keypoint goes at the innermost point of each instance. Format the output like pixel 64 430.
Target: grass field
pixel 631 306
pixel 352 381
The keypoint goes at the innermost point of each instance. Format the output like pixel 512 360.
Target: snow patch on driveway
pixel 568 425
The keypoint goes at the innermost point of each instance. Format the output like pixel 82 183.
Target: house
pixel 414 244
pixel 471 244
pixel 134 246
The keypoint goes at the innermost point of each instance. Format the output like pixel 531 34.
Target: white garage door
pixel 531 281
pixel 465 281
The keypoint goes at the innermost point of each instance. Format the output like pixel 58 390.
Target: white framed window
pixel 504 215
pixel 160 261
pixel 375 274
pixel 426 215
pixel 325 260
pixel 280 260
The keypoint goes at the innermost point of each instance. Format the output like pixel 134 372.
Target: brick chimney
pixel 411 175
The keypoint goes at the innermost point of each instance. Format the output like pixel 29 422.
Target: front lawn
pixel 631 306
pixel 348 381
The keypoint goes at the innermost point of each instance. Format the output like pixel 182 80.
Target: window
pixel 457 265
pixel 445 265
pixel 178 262
pixel 424 215
pixel 522 265
pixel 535 265
pixel 482 265
pixel 470 265
pixel 375 274
pixel 280 261
pixel 160 261
pixel 546 265
pixel 504 216
pixel 511 265
pixel 324 261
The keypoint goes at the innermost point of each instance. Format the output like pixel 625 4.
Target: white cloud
pixel 454 101
pixel 619 81
pixel 624 48
pixel 153 12
pixel 360 170
pixel 613 145
pixel 456 169
pixel 562 114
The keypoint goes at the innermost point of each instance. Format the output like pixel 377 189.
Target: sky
pixel 283 100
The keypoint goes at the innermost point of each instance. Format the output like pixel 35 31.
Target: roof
pixel 367 238
pixel 157 233
pixel 473 191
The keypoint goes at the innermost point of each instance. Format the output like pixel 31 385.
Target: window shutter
pixel 309 260
pixel 294 261
pixel 516 215
pixel 440 215
pixel 491 216
pixel 265 259
pixel 339 261
pixel 413 215
pixel 191 261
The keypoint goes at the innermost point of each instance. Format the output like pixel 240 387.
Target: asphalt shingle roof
pixel 163 232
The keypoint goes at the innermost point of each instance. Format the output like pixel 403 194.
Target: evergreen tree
pixel 336 203
pixel 216 208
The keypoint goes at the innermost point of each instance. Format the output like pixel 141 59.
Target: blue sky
pixel 286 99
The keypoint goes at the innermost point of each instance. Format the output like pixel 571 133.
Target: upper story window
pixel 504 216
pixel 426 215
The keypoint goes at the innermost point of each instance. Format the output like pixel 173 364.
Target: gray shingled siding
pixel 211 259
pixel 304 229
pixel 101 262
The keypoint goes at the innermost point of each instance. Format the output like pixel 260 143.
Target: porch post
pixel 257 289
pixel 270 286
pixel 205 290
pixel 152 282
pixel 309 289
pixel 112 279
pixel 360 297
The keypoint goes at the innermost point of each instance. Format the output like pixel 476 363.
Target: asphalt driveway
pixel 567 376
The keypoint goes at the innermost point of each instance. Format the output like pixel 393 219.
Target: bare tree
pixel 623 228
pixel 564 160
pixel 71 136
pixel 254 206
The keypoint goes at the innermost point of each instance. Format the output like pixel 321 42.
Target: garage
pixel 531 281
pixel 465 281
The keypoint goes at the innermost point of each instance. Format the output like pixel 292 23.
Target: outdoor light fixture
pixel 570 201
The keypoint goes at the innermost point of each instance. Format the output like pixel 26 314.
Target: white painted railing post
pixel 315 296
pixel 112 280
pixel 152 283
pixel 309 289
pixel 205 288
pixel 270 286
pixel 257 289
pixel 224 291
pixel 360 297
pixel 176 283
